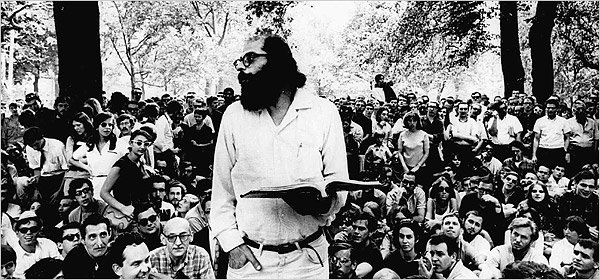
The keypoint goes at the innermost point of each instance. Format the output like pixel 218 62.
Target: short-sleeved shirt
pixel 403 268
pixel 129 183
pixel 508 129
pixel 196 264
pixel 369 254
pixel 471 127
pixel 416 201
pixel 551 132
pixel 583 135
pixel 45 248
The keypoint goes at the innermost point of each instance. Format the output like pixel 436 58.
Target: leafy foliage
pixel 35 38
pixel 421 42
pixel 576 48
pixel 270 16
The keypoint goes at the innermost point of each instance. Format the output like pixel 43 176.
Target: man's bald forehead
pixel 177 224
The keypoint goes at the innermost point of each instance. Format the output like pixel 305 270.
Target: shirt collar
pixel 302 100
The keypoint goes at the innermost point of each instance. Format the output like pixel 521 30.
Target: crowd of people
pixel 475 188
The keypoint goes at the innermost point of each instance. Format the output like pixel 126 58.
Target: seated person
pixel 368 257
pixel 342 261
pixel 445 260
pixel 523 232
pixel 529 270
pixel 409 198
pixel 27 243
pixel 404 261
pixel 8 259
pixel 562 251
pixel 129 256
pixel 82 190
pixel 149 225
pixel 585 261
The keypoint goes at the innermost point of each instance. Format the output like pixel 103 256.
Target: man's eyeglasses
pixel 82 191
pixel 248 58
pixel 335 260
pixel 151 219
pixel 142 143
pixel 72 237
pixel 103 125
pixel 183 237
pixel 26 230
pixel 407 182
pixel 485 191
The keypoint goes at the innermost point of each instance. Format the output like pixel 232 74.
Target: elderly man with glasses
pixel 179 259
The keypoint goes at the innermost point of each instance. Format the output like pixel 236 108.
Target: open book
pixel 322 188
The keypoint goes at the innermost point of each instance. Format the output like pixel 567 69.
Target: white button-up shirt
pixel 164 134
pixel 45 248
pixel 54 154
pixel 253 152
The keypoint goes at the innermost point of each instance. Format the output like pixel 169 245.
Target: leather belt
pixel 288 247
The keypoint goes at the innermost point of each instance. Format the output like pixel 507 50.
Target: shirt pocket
pixel 309 162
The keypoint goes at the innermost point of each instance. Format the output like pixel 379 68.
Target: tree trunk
pixel 36 80
pixel 78 37
pixel 510 49
pixel 542 69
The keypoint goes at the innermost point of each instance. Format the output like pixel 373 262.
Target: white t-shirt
pixel 551 132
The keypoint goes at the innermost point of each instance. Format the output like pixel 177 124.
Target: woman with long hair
pixel 442 199
pixel 125 178
pixel 92 107
pixel 102 150
pixel 539 199
pixel 82 132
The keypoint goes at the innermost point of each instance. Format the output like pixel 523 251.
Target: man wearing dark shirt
pixel 435 131
pixel 405 260
pixel 583 201
pixel 368 257
pixel 149 226
pixel 489 207
pixel 88 260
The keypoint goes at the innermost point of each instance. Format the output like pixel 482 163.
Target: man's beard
pixel 260 90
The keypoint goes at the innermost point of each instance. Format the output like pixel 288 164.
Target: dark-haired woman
pixel 126 175
pixel 442 199
pixel 539 199
pixel 413 146
pixel 102 150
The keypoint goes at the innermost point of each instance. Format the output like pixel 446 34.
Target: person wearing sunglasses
pixel 125 178
pixel 27 244
pixel 70 237
pixel 149 225
pixel 101 151
pixel 442 199
pixel 178 258
pixel 8 259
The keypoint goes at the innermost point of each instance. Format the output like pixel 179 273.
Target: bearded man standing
pixel 278 134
